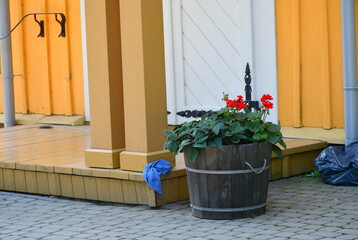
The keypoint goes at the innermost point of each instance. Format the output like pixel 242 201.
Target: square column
pixel 143 65
pixel 105 83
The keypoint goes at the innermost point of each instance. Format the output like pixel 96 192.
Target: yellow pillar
pixel 105 83
pixel 143 83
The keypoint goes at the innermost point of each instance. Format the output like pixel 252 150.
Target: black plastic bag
pixel 338 165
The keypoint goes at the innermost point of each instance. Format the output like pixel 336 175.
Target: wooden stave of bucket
pixel 212 179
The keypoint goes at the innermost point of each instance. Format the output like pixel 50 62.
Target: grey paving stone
pixel 347 237
pixel 295 210
pixel 305 237
pixel 149 238
pixel 35 235
pixel 349 231
pixel 56 237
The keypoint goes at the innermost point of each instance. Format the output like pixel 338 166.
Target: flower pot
pixel 229 182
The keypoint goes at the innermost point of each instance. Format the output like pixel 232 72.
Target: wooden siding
pixel 310 76
pixel 48 75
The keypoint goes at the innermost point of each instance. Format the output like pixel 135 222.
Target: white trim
pixel 84 60
pixel 169 61
pixel 264 52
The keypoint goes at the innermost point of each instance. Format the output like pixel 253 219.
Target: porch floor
pixel 50 161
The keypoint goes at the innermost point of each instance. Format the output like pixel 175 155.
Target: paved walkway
pixel 298 208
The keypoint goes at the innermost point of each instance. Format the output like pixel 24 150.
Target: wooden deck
pixel 51 162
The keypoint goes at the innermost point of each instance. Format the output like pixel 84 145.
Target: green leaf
pixel 273 138
pixel 171 135
pixel 183 144
pixel 277 150
pixel 216 142
pixel 254 116
pixel 193 153
pixel 218 127
pixel 259 137
pixel 200 138
pixel 253 126
pixel 282 143
pixel 236 128
pixel 200 145
pixel 273 127
pixel 172 146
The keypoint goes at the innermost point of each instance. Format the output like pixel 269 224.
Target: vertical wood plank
pixel 90 188
pixel 115 186
pixel 141 190
pixel 2 186
pixel 296 65
pixel 9 180
pixel 78 187
pixel 31 182
pixel 43 183
pixel 20 180
pixel 103 189
pixel 184 192
pixel 286 166
pixel 19 63
pixel 66 185
pixel 68 78
pixel 276 168
pixel 152 197
pixel 130 195
pixel 47 104
pixel 162 200
pixel 308 160
pixel 54 184
pixel 173 190
pixel 325 67
pixel 296 161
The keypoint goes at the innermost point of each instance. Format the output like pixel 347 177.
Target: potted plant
pixel 227 154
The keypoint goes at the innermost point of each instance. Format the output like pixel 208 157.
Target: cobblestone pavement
pixel 298 208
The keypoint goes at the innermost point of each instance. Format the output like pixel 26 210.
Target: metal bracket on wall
pixel 41 23
pixel 350 88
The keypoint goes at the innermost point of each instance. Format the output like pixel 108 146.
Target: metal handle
pixel 257 172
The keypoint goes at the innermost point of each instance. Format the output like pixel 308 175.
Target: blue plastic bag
pixel 338 165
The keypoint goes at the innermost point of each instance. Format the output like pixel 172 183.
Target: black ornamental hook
pixel 41 23
pixel 62 22
pixel 42 27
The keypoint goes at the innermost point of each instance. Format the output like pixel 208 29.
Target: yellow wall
pixel 310 74
pixel 48 71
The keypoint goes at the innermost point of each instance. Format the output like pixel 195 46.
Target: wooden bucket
pixel 229 182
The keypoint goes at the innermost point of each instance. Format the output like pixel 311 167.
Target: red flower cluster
pixel 239 103
pixel 265 99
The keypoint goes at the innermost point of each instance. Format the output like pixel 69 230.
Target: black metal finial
pixel 248 89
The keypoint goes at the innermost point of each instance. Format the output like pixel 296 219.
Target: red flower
pixel 266 97
pixel 230 103
pixel 267 104
pixel 241 98
pixel 238 103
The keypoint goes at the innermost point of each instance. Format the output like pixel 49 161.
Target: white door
pixel 208 43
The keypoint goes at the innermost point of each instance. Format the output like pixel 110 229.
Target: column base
pixel 135 161
pixel 102 158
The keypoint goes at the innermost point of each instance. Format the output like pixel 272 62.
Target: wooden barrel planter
pixel 229 182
